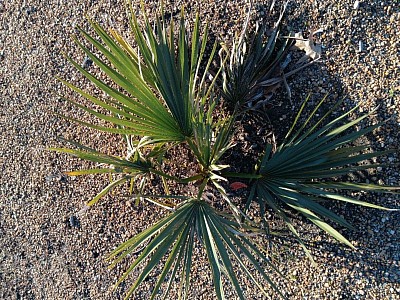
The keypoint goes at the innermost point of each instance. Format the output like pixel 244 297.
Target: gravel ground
pixel 43 257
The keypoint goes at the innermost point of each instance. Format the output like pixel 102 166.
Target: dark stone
pixel 74 222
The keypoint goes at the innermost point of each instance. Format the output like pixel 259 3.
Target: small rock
pixel 74 222
pixel 87 62
pixel 30 10
pixel 360 46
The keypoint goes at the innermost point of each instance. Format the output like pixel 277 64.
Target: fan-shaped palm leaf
pixel 133 105
pixel 306 167
pixel 226 247
pixel 252 59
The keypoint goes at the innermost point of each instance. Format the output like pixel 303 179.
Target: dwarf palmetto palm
pixel 158 95
pixel 159 99
pixel 306 169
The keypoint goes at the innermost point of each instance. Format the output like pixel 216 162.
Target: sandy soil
pixel 43 257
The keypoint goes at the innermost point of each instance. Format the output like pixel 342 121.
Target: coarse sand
pixel 44 254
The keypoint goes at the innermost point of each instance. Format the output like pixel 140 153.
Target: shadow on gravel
pixel 377 238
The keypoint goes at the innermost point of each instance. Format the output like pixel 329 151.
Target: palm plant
pixel 161 98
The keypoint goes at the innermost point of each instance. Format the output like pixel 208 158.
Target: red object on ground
pixel 237 185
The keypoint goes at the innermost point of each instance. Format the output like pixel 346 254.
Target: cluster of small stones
pixel 46 253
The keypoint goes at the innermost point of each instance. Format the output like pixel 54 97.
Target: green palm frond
pixel 307 166
pixel 138 109
pixel 211 139
pixel 176 79
pixel 173 237
pixel 126 169
pixel 252 59
pixel 119 165
pixel 166 115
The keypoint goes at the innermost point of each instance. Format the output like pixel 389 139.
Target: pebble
pixel 87 62
pixel 360 46
pixel 74 222
pixel 30 10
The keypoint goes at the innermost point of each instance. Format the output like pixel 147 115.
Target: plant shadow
pixel 377 239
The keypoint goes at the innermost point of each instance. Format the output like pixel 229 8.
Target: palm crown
pixel 162 97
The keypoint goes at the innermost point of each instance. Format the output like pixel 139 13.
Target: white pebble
pixel 356 5
pixel 360 46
